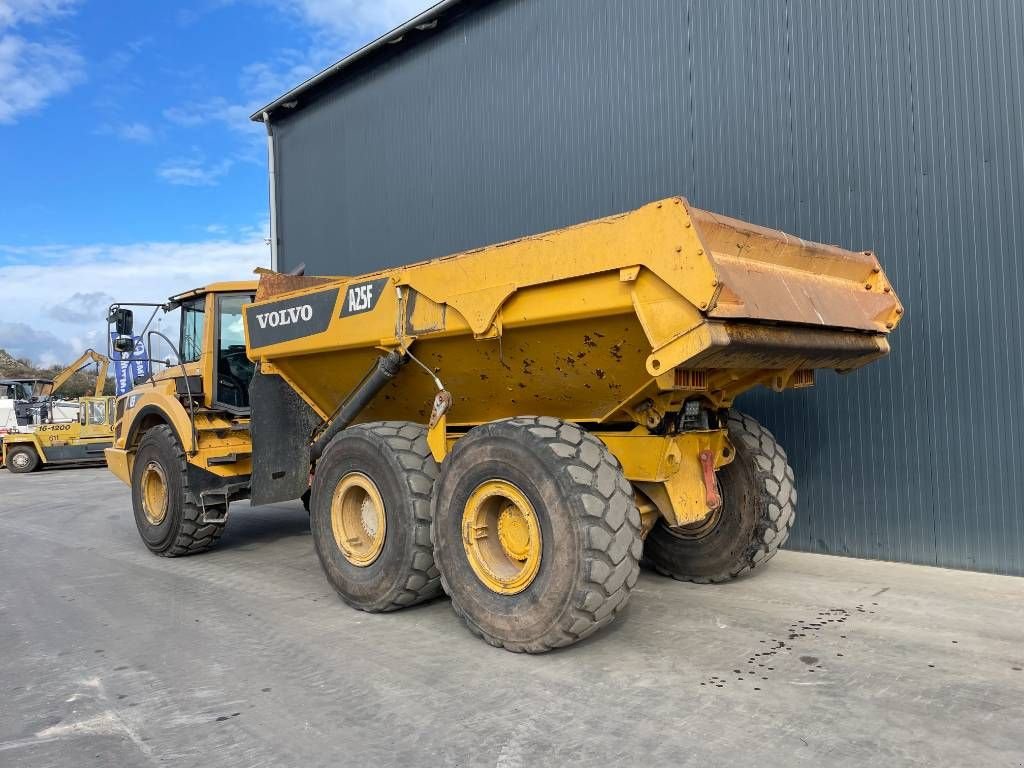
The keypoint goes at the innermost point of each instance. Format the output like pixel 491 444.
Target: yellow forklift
pixel 80 442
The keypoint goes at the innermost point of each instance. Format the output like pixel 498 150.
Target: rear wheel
pixel 168 523
pixel 535 533
pixel 754 520
pixel 22 459
pixel 370 516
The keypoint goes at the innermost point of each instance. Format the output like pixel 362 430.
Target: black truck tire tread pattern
pixel 409 443
pixel 194 536
pixel 777 503
pixel 612 523
pixel 33 463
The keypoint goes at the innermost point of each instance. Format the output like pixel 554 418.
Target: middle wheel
pixel 535 533
pixel 370 516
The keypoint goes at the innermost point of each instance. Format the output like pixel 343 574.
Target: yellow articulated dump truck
pixel 516 426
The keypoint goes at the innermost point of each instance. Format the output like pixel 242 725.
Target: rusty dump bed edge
pixel 767 274
pixel 586 321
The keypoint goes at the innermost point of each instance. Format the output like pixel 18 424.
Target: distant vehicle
pixel 79 442
pixel 44 432
pixel 19 399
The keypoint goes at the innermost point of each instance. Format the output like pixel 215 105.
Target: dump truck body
pixel 403 395
pixel 587 322
pixel 615 322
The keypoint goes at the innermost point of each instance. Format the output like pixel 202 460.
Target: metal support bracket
pixel 437 428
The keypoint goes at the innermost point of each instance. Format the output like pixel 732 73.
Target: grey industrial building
pixel 895 126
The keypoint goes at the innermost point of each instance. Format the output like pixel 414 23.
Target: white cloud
pixel 263 82
pixel 15 12
pixel 33 73
pixel 258 84
pixel 356 20
pixel 187 116
pixel 217 109
pixel 80 307
pixel 194 172
pixel 54 325
pixel 337 27
pixel 133 131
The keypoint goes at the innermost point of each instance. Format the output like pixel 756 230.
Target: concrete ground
pixel 244 657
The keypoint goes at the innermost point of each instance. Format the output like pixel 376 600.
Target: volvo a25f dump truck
pixel 517 426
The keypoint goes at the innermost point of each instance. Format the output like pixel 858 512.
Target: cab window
pixel 193 316
pixel 234 369
pixel 98 412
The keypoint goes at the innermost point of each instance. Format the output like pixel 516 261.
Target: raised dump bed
pixel 586 323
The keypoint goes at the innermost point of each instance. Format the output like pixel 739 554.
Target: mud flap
pixel 281 425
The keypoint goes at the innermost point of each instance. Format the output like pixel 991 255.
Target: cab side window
pixel 193 320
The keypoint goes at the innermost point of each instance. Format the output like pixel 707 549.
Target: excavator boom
pixel 89 356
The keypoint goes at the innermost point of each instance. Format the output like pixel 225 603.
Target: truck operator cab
pixel 214 321
pixel 211 366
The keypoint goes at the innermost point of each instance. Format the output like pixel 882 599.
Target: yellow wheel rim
pixel 501 536
pixel 357 519
pixel 154 493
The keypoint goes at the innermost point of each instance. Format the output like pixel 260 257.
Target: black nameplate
pixel 362 297
pixel 290 319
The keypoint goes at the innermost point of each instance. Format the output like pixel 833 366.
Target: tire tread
pixel 586 466
pixel 408 441
pixel 194 536
pixel 777 500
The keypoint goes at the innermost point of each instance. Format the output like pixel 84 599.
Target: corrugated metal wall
pixel 895 126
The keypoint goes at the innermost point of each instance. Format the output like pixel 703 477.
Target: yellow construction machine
pixel 79 442
pixel 517 425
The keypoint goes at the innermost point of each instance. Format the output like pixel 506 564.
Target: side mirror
pixel 124 344
pixel 123 321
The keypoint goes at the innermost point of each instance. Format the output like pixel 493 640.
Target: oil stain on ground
pixel 760 665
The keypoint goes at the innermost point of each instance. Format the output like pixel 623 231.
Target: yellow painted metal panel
pixel 583 323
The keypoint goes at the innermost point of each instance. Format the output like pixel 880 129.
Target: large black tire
pixel 395 457
pixel 590 542
pixel 181 531
pixel 22 459
pixel 757 513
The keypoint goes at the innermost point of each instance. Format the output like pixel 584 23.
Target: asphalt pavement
pixel 244 656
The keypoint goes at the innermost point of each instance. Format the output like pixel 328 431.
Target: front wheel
pixel 535 533
pixel 170 526
pixel 22 459
pixel 754 520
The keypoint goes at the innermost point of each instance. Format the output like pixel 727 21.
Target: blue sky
pixel 132 169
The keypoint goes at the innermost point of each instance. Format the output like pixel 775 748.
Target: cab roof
pixel 237 286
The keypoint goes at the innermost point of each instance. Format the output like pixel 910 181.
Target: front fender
pixel 149 409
